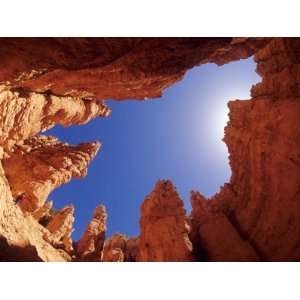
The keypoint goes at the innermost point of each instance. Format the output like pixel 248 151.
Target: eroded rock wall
pixel 48 81
pixel 21 237
pixel 214 237
pixel 25 114
pixel 112 68
pixel 41 164
pixel 264 134
pixel 262 200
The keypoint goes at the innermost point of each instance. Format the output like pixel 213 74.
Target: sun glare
pixel 178 137
pixel 220 111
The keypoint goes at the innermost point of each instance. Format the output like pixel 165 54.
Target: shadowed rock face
pixel 48 81
pixel 213 235
pixel 12 253
pixel 111 68
pixel 268 212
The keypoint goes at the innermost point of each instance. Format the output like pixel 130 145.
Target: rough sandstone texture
pixel 90 246
pixel 262 199
pixel 43 212
pixel 263 137
pixel 21 237
pixel 41 164
pixel 23 115
pixel 114 248
pixel 120 248
pixel 60 229
pixel 111 68
pixel 214 237
pixel 164 230
pixel 48 81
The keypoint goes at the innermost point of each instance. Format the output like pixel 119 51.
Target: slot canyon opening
pixel 176 137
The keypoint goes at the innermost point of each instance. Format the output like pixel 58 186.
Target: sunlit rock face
pixel 48 81
pixel 60 229
pixel 21 237
pixel 90 246
pixel 120 248
pixel 164 230
pixel 23 115
pixel 43 212
pixel 41 164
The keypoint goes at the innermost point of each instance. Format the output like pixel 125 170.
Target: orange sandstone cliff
pixel 49 81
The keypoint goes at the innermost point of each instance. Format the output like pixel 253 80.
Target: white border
pixel 161 280
pixel 149 18
pixel 150 281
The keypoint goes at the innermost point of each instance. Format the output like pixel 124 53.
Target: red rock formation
pixel 262 199
pixel 120 248
pixel 112 68
pixel 60 229
pixel 115 248
pixel 25 115
pixel 278 64
pixel 263 138
pixel 214 237
pixel 266 129
pixel 132 249
pixel 43 212
pixel 43 163
pixel 21 237
pixel 61 80
pixel 164 230
pixel 90 246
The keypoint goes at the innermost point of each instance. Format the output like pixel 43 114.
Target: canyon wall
pixel 49 81
pixel 262 200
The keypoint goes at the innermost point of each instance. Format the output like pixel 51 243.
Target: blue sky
pixel 177 137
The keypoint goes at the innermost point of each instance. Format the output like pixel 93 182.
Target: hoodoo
pixel 49 81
